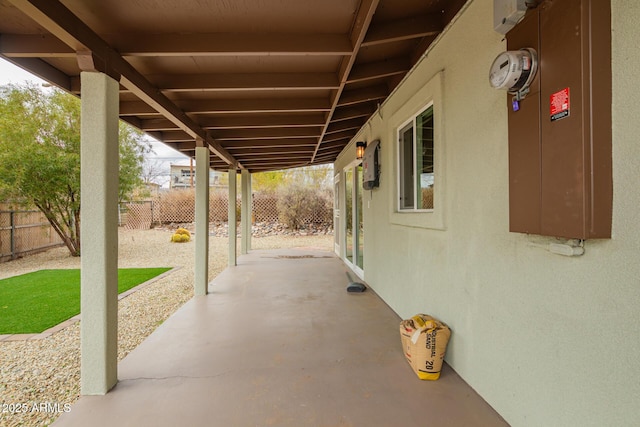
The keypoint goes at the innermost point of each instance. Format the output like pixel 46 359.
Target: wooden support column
pixel 99 233
pixel 245 212
pixel 202 219
pixel 233 228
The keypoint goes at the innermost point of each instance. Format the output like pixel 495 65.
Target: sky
pixel 163 155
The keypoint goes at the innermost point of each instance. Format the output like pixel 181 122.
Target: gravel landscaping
pixel 47 371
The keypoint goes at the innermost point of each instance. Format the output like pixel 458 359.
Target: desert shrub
pixel 181 235
pixel 183 231
pixel 294 205
pixel 180 238
pixel 297 205
pixel 176 206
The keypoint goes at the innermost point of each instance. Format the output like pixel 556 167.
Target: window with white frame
pixel 416 163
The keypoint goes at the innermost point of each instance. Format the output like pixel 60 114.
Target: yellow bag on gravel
pixel 424 342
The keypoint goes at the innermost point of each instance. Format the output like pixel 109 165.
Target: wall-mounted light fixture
pixel 360 146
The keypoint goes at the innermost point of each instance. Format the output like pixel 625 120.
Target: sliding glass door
pixel 353 218
pixel 337 226
pixel 348 217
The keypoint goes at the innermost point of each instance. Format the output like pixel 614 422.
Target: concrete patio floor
pixel 279 342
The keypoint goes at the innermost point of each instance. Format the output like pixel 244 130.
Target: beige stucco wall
pixel 547 340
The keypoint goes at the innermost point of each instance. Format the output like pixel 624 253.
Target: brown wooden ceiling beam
pixel 329 154
pixel 63 24
pixel 333 149
pixel 216 164
pixel 261 158
pixel 454 6
pixel 323 159
pixel 244 81
pixel 347 113
pixel 76 82
pixel 173 136
pixel 376 70
pixel 247 122
pixel 267 133
pixel 153 125
pixel 328 157
pixel 421 48
pixel 222 167
pixel 136 108
pixel 43 70
pixel 260 143
pixel 277 163
pixel 404 29
pixel 182 146
pixel 244 122
pixel 357 96
pixel 34 46
pixel 283 151
pixel 451 9
pixel 233 106
pixel 333 145
pixel 156 135
pixel 338 136
pixel 225 44
pixel 136 122
pixel 269 168
pixel 361 23
pixel 249 106
pixel 344 125
pixel 275 167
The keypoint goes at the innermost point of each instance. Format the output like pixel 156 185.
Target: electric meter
pixel 514 70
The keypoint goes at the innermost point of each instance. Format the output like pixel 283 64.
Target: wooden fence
pixel 24 232
pixel 179 207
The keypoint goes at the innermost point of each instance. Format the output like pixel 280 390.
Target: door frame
pixel 354 218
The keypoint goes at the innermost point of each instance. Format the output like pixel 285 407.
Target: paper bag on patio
pixel 424 342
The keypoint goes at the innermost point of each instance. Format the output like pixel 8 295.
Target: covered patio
pixel 511 221
pixel 279 341
pixel 243 87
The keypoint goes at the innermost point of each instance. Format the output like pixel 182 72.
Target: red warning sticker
pixel 559 104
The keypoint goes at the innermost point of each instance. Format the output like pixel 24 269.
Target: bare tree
pixel 154 172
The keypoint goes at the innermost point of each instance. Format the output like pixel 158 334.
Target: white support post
pixel 99 233
pixel 202 221
pixel 233 228
pixel 245 212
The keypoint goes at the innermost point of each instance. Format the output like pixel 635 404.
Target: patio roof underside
pixel 266 85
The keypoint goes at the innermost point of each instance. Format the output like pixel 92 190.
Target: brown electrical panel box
pixel 560 180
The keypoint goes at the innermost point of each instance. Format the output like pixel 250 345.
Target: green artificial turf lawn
pixel 34 302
